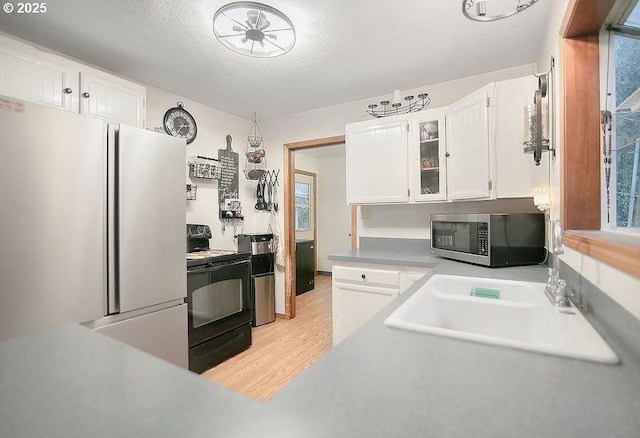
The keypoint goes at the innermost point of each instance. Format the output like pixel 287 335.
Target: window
pixel 621 146
pixel 303 206
pixel 580 122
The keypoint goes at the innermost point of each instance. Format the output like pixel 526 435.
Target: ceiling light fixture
pixel 397 107
pixel 254 29
pixel 477 9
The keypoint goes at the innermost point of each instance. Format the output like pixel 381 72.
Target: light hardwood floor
pixel 282 349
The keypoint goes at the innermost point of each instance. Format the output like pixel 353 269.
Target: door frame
pixel 289 225
pixel 315 216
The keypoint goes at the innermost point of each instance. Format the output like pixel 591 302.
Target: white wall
pixel 213 127
pixel 334 215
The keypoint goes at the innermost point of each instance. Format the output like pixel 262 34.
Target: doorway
pixel 289 215
pixel 306 231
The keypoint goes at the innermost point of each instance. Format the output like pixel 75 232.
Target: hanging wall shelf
pixel 204 167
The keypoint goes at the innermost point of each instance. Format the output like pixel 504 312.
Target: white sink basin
pixel 521 318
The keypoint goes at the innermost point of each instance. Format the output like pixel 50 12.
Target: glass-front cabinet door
pixel 428 163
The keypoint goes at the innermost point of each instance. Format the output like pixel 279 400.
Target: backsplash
pixel 412 221
pixel 391 243
pixel 618 325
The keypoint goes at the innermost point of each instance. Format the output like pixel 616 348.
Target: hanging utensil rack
pixel 267 191
pixel 192 192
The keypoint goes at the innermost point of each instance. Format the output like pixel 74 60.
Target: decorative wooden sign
pixel 228 183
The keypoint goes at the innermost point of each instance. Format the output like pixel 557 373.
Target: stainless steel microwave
pixel 490 239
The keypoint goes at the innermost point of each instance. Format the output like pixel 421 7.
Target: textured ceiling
pixel 346 50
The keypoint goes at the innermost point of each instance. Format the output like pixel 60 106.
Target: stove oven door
pixel 218 299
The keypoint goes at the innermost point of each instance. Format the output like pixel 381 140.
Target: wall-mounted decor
pixel 204 167
pixel 267 191
pixel 537 119
pixel 180 123
pixel 398 105
pixel 228 197
pixel 192 192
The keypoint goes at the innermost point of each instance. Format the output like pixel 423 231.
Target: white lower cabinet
pixel 360 290
pixel 412 277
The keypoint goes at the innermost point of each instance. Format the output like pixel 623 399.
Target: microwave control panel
pixel 483 239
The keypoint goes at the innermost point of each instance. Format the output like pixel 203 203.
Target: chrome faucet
pixel 556 289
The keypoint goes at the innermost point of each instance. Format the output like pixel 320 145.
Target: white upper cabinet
pixel 112 99
pixel 516 174
pixel 468 160
pixel 427 149
pixel 471 150
pixel 376 156
pixel 26 77
pixel 35 75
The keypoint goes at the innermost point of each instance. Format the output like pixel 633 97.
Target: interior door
pixel 151 216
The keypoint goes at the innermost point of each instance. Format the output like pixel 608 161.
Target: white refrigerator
pixel 92 229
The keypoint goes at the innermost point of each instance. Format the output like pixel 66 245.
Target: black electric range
pixel 199 253
pixel 220 309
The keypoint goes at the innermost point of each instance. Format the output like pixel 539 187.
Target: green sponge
pixel 486 292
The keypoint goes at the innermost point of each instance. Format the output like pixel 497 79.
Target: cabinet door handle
pixel 68 90
pixel 364 277
pixel 86 95
pixel 446 154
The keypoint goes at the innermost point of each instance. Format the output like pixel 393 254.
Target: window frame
pixel 303 206
pixel 609 99
pixel 580 207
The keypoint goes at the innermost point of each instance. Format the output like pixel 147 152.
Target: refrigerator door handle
pixel 113 298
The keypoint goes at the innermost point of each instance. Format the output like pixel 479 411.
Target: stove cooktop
pixel 213 256
pixel 198 255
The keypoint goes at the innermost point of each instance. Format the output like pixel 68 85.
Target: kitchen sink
pixel 522 317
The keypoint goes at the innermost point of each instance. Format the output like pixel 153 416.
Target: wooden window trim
pixel 580 140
